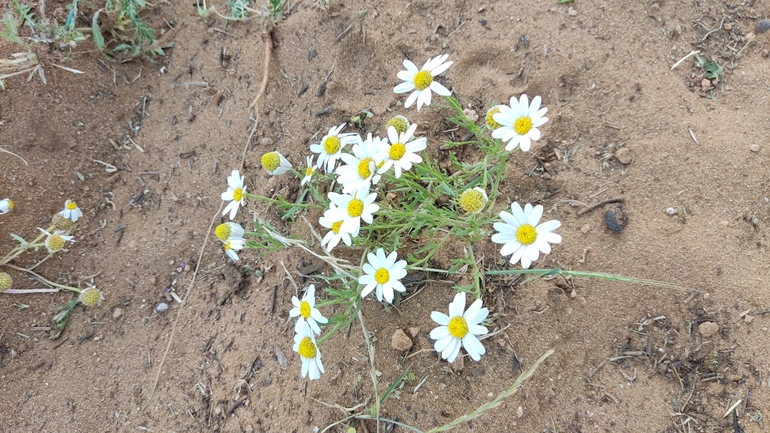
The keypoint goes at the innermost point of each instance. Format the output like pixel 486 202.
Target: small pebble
pixel 472 116
pixel 762 26
pixel 623 155
pixel 571 11
pixel 671 210
pixel 162 307
pixel 748 318
pixel 705 85
pixel 266 141
pixel 754 148
pixel 585 229
pixel 458 364
pixel 707 329
pixel 116 313
pixel 414 332
pixel 765 52
pixel 400 341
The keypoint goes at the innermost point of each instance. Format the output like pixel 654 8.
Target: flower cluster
pixel 358 165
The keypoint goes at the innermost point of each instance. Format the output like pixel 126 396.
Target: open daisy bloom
pixel 384 274
pixel 360 168
pixel 335 234
pixel 6 205
pixel 459 329
pixel 275 163
pixel 522 234
pixel 330 148
pixel 520 122
pixel 235 191
pixel 402 153
pixel 421 81
pixel 232 246
pixel 352 208
pixel 308 171
pixel 71 211
pixel 304 344
pixel 55 241
pixel 307 313
pixel 229 230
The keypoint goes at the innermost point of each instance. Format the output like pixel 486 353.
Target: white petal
pixel 535 215
pixel 405 76
pixel 412 97
pixel 440 69
pixel 439 88
pixel 404 87
pixel 442 344
pixel 440 318
pixel 453 354
pixel 439 333
pixel 411 67
pixel 457 306
pixel 525 143
pixel 473 346
pixel 548 226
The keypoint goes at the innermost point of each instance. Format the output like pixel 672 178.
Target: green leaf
pixel 96 32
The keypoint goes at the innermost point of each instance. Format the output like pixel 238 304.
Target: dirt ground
pixel 628 358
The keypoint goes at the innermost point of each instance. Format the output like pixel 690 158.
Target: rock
pixel 400 341
pixel 586 228
pixel 705 85
pixel 728 27
pixel 571 11
pixel 116 313
pixel 414 332
pixel 765 52
pixel 762 26
pixel 615 216
pixel 472 116
pixel 458 364
pixel 161 308
pixel 266 141
pixel 546 176
pixel 748 318
pixel 707 329
pixel 623 155
pixel 754 148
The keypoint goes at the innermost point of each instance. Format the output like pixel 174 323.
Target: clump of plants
pixel 52 240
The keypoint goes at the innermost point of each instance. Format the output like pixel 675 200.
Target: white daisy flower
pixel 361 167
pixel 522 236
pixel 399 122
pixel 473 200
pixel 308 171
pixel 55 241
pixel 71 211
pixel 520 122
pixel 275 163
pixel 235 191
pixel 232 246
pixel 459 329
pixel 6 205
pixel 229 230
pixel 402 153
pixel 352 208
pixel 304 344
pixel 330 148
pixel 307 313
pixel 384 274
pixel 421 81
pixel 335 234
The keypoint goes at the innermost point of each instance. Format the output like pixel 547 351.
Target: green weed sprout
pixel 53 240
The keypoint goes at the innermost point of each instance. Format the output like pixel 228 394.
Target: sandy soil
pixel 628 358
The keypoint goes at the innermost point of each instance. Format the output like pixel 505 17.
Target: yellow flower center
pixel 54 242
pixel 237 194
pixel 422 80
pixel 397 151
pixel 365 168
pixel 332 145
pixel 308 171
pixel 304 309
pixel 355 208
pixel 10 204
pixel 382 276
pixel 398 122
pixel 223 232
pixel 271 161
pixel 472 200
pixel 227 246
pixel 72 205
pixel 458 327
pixel 526 234
pixel 307 348
pixel 490 119
pixel 522 125
pixel 90 296
pixel 336 227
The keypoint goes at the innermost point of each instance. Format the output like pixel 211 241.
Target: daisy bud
pixel 6 205
pixel 91 296
pixel 399 122
pixel 490 119
pixel 473 200
pixel 62 223
pixel 5 282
